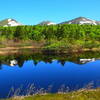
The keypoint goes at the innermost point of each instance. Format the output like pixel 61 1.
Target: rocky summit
pixel 9 22
pixel 82 20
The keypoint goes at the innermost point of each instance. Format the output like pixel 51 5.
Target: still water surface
pixel 48 72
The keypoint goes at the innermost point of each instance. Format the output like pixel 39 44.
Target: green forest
pixel 55 36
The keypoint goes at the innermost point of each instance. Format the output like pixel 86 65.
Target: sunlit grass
pixel 92 94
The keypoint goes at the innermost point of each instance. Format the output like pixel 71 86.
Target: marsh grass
pixel 64 93
pixel 27 91
pixel 83 94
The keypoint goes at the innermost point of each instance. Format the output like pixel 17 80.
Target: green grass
pixel 76 95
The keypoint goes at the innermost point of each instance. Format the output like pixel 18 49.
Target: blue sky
pixel 35 11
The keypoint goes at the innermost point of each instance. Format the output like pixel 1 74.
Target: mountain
pixel 47 23
pixel 79 20
pixel 9 22
pixel 82 20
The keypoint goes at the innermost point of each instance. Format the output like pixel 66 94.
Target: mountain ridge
pixel 82 20
pixel 47 23
pixel 79 20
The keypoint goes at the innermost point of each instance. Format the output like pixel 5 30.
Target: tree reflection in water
pixel 47 58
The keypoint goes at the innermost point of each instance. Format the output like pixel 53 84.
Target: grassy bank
pixel 20 49
pixel 63 46
pixel 93 94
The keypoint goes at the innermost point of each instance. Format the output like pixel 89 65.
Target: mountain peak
pixel 82 20
pixel 47 23
pixel 9 22
pixel 81 17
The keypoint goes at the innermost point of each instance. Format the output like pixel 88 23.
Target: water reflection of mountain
pixel 47 58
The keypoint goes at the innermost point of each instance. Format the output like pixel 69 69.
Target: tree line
pixel 61 34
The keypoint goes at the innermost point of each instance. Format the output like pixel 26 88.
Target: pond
pixel 48 72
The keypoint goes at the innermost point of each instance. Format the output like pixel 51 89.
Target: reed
pixel 64 93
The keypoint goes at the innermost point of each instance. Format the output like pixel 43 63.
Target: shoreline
pixel 13 50
pixel 82 94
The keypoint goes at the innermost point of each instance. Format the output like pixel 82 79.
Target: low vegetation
pixel 76 95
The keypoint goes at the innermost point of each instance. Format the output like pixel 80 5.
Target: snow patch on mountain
pixel 51 23
pixel 47 23
pixel 13 23
pixel 9 22
pixel 81 21
pixel 87 22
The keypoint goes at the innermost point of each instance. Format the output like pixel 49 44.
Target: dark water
pixel 49 71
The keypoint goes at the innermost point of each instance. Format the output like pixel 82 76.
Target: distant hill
pixel 79 20
pixel 82 20
pixel 47 23
pixel 9 22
